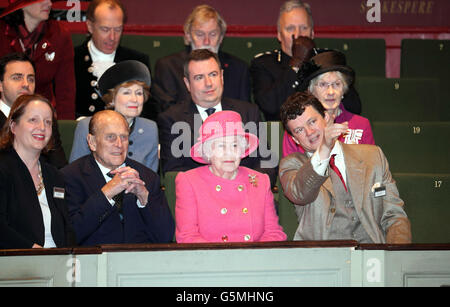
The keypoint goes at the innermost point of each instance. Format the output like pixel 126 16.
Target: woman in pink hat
pixel 222 201
pixel 25 27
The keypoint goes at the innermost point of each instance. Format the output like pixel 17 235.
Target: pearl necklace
pixel 40 186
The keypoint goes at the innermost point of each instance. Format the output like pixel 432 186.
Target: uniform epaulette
pixel 267 52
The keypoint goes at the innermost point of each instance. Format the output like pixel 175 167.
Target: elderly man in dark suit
pixel 17 77
pixel 105 20
pixel 113 199
pixel 178 126
pixel 203 29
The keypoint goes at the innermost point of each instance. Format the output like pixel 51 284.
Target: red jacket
pixel 53 60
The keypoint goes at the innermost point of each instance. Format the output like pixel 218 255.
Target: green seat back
pixel 66 130
pixel 401 99
pixel 425 58
pixel 427 205
pixel 246 48
pixel 366 56
pixel 169 189
pixel 414 147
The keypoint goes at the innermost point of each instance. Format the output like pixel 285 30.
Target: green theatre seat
pixel 414 147
pixel 286 213
pixel 422 58
pixel 427 205
pixel 367 56
pixel 401 99
pixel 168 182
pixel 246 48
pixel 66 131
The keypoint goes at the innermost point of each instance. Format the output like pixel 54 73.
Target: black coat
pixel 183 112
pixel 21 222
pixel 273 81
pixel 170 88
pixel 88 100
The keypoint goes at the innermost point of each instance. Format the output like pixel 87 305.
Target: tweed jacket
pixel 383 217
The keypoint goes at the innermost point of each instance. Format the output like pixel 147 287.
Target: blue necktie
pixel 210 111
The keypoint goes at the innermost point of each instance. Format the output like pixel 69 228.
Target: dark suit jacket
pixel 85 104
pixel 97 222
pixel 21 222
pixel 56 156
pixel 170 88
pixel 273 81
pixel 184 112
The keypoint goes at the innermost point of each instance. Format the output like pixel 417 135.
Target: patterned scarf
pixel 28 40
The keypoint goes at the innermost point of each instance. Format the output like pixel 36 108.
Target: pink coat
pixel 360 132
pixel 213 209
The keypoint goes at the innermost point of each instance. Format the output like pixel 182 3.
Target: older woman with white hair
pixel 328 78
pixel 222 201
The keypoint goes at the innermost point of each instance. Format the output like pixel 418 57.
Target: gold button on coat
pixel 245 210
pixel 247 237
pixel 223 210
pixel 240 188
pixel 218 188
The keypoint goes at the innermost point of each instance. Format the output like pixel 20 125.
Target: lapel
pixel 226 105
pixel 92 173
pixel 356 176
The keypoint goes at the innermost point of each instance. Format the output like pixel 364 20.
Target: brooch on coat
pixel 253 179
pixel 50 57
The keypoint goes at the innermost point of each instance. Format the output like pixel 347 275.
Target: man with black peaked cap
pixel 111 198
pixel 124 88
pixel 101 50
pixel 275 74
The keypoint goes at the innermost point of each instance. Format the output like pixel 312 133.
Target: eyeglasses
pixel 336 85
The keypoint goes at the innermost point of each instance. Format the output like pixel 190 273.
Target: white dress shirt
pixel 100 61
pixel 321 166
pixel 4 108
pixel 47 217
pixel 203 113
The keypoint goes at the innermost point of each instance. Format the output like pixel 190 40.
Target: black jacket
pixel 183 112
pixel 88 100
pixel 21 222
pixel 273 81
pixel 170 88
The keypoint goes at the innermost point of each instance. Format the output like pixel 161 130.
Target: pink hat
pixel 220 124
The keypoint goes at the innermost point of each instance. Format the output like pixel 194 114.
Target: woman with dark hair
pixel 25 27
pixel 33 211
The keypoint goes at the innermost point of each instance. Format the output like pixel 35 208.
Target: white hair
pixel 340 76
pixel 206 151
